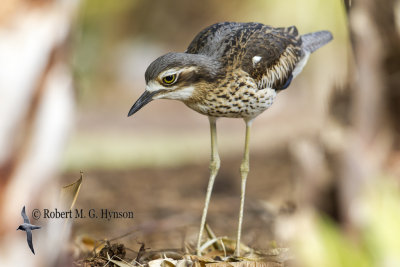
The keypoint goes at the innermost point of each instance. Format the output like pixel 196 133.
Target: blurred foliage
pixel 379 243
pixel 95 33
pixel 91 152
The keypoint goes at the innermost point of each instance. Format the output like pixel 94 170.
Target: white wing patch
pixel 255 60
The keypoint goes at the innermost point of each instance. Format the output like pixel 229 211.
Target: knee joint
pixel 214 164
pixel 244 167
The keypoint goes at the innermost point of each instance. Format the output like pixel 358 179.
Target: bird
pixel 232 70
pixel 28 227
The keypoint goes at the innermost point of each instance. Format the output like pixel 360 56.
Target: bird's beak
pixel 145 98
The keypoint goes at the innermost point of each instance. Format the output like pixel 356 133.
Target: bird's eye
pixel 169 79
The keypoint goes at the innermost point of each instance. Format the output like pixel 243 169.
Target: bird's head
pixel 20 228
pixel 177 76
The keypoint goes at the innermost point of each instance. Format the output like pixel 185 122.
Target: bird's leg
pixel 214 167
pixel 244 170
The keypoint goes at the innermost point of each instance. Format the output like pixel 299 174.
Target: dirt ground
pixel 167 203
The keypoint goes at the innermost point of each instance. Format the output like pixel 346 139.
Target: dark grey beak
pixel 145 98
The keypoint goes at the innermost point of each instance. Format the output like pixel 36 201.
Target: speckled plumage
pixel 236 69
pixel 246 89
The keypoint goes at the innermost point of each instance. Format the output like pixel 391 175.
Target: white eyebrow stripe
pixel 169 72
pixel 176 71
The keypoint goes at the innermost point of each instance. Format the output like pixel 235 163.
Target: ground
pixel 167 203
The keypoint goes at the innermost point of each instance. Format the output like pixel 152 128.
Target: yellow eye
pixel 170 79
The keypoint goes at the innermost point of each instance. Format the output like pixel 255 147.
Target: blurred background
pixel 70 71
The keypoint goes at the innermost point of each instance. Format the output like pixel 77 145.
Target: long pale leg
pixel 214 167
pixel 244 170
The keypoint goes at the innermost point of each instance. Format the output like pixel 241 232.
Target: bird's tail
pixel 313 41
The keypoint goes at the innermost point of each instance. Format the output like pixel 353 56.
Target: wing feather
pixel 280 51
pixel 29 240
pixel 23 214
pixel 236 45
